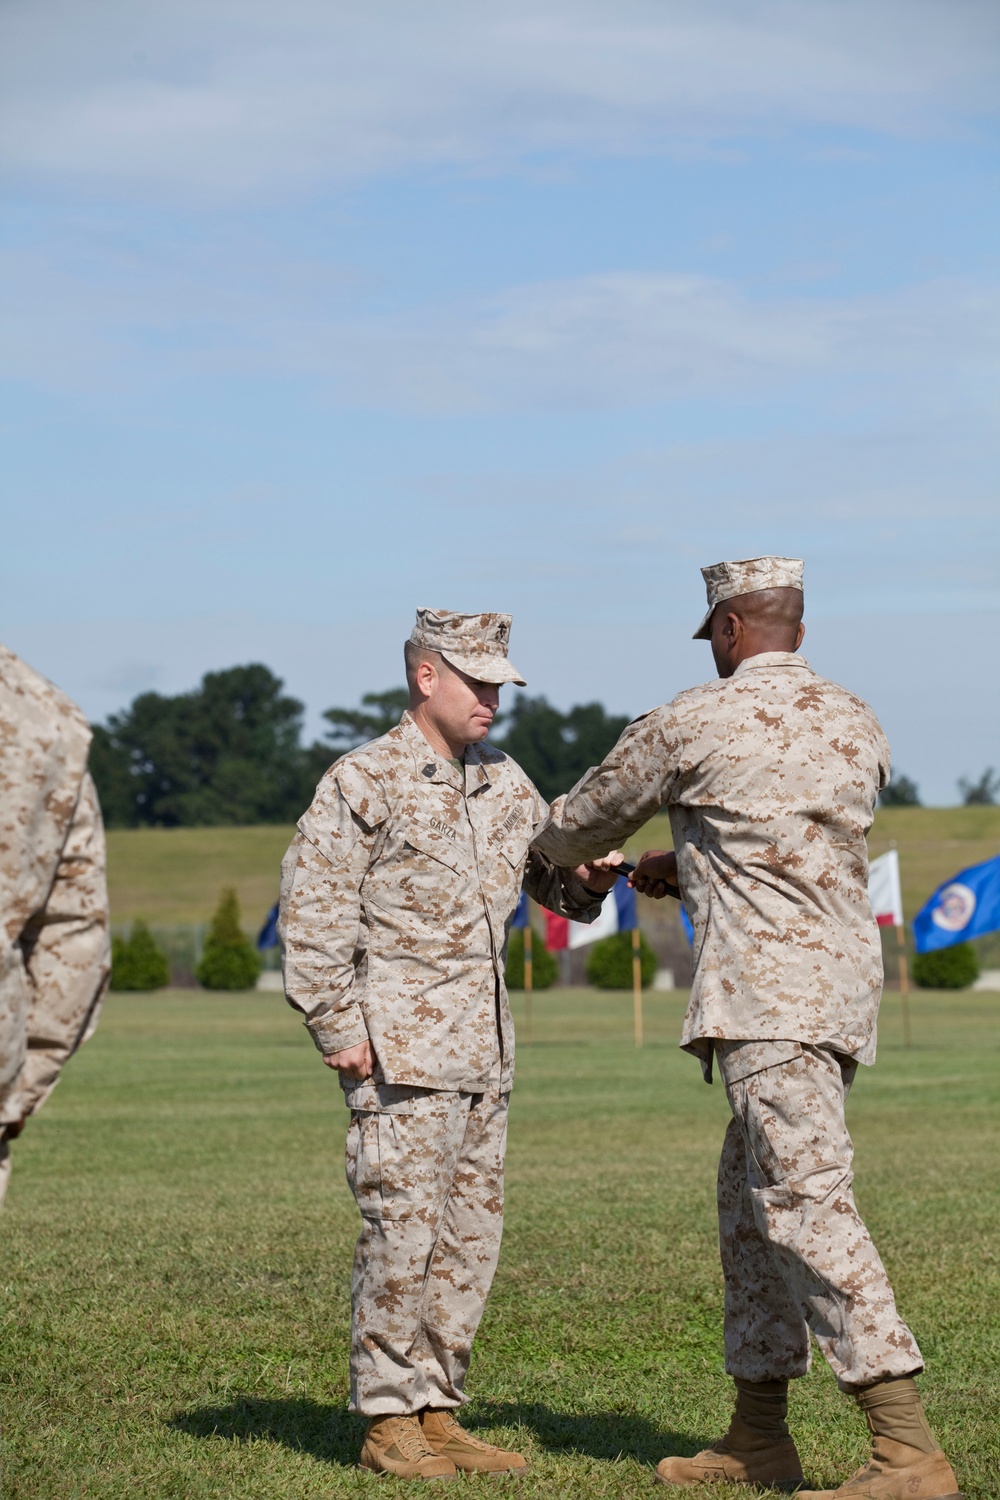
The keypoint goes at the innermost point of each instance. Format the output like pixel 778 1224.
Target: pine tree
pixel 138 962
pixel 229 961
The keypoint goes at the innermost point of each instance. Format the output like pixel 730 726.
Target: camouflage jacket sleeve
pixel 557 889
pixel 554 886
pixel 613 800
pixel 66 958
pixel 321 920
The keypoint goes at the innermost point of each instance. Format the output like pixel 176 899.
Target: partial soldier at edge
pixel 397 896
pixel 55 958
pixel 770 776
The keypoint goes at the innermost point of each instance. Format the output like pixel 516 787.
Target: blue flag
pixel 268 935
pixel 520 918
pixel 686 924
pixel 964 907
pixel 625 902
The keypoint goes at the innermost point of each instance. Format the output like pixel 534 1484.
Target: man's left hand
pixel 600 875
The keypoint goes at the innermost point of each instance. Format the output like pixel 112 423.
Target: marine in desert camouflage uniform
pixel 770 777
pixel 397 896
pixel 54 953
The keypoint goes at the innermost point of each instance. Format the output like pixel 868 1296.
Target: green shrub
pixel 544 969
pixel 229 960
pixel 953 968
pixel 609 963
pixel 138 962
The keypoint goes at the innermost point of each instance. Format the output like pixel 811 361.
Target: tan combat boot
pixel 896 1471
pixel 443 1433
pixel 757 1449
pixel 396 1445
pixel 906 1462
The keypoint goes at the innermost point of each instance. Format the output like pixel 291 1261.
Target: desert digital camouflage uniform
pixel 795 1252
pixel 397 896
pixel 770 779
pixel 54 958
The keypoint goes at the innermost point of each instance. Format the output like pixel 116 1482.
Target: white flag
pixel 616 915
pixel 884 890
pixel 582 933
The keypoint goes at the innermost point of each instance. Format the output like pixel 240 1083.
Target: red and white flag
pixel 884 890
pixel 616 915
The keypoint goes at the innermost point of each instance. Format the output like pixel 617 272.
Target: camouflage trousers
pixel 796 1255
pixel 426 1171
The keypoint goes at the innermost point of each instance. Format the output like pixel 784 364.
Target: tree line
pixel 232 750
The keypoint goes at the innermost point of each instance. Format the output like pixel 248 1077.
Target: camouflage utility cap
pixel 475 644
pixel 728 580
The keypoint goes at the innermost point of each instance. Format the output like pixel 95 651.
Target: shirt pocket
pixel 509 854
pixel 515 851
pixel 437 839
pixel 424 874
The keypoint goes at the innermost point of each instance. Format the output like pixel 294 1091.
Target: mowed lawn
pixel 178 1233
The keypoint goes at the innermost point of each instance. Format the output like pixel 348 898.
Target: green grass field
pixel 178 1236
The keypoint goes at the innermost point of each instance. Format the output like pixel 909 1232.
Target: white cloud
pixel 603 342
pixel 242 98
pixel 614 341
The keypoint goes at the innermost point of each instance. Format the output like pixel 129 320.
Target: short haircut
pixel 768 610
pixel 413 655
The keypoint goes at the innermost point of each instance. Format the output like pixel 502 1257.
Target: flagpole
pixel 529 977
pixel 637 981
pixel 904 982
pixel 904 973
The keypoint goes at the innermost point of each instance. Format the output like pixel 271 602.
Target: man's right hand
pixel 356 1063
pixel 656 869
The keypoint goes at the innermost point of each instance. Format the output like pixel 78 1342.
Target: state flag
pixel 967 906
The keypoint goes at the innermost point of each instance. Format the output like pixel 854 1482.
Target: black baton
pixel 626 869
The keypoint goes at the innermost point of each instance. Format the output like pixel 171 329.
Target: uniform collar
pixel 768 660
pixel 476 769
pixel 432 767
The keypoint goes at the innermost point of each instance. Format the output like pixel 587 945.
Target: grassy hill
pixel 175 874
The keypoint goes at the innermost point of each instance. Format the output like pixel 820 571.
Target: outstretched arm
pixel 613 800
pixel 575 893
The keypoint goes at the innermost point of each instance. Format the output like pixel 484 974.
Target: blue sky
pixel 320 313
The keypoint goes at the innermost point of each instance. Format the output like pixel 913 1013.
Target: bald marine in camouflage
pixel 54 951
pixel 770 776
pixel 396 900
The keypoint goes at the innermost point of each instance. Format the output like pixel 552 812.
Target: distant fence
pixel 183 943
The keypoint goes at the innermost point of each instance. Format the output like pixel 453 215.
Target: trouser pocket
pixel 364 1175
pixel 400 1162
